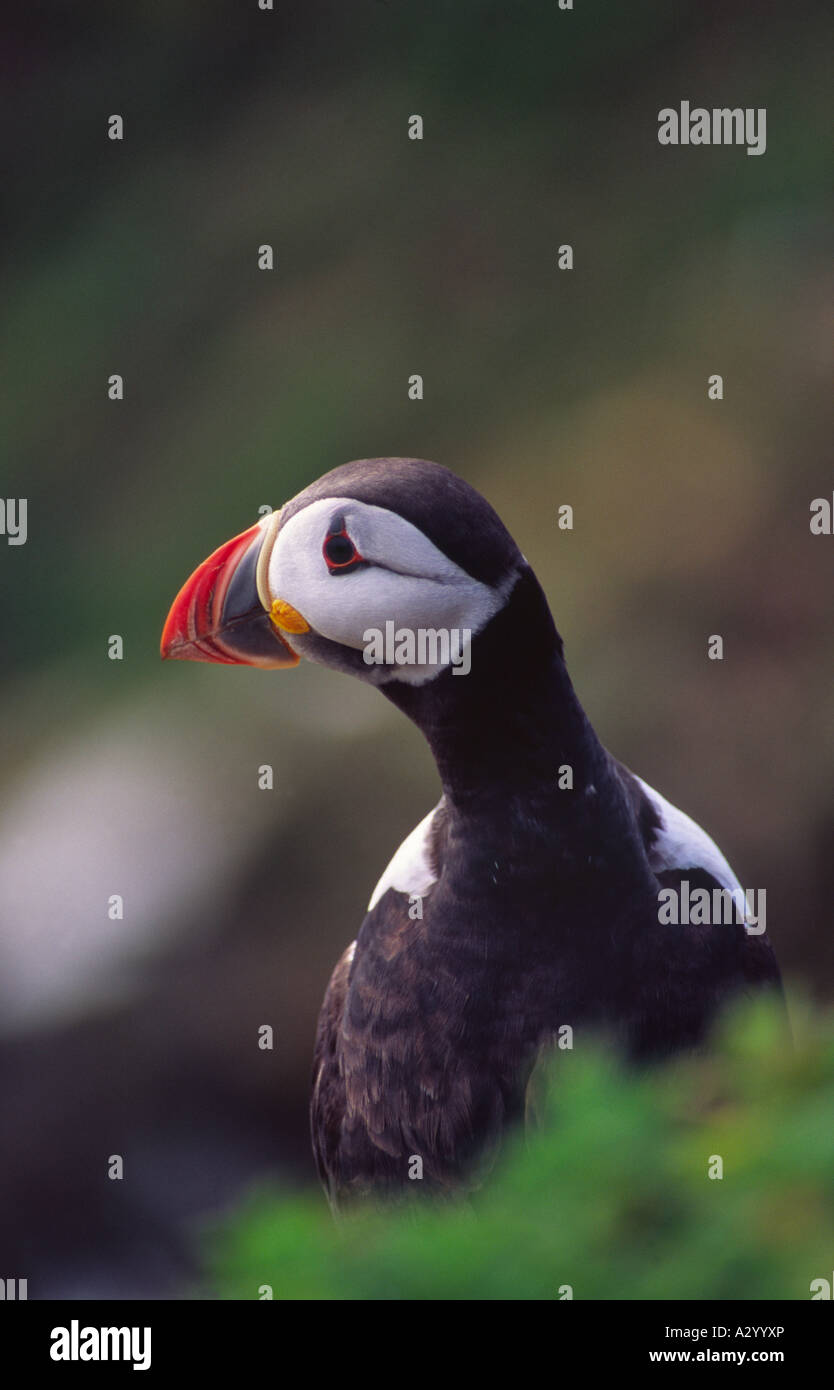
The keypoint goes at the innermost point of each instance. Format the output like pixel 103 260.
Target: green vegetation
pixel 611 1195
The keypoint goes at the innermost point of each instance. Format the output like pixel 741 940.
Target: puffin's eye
pixel 339 550
pixel 340 554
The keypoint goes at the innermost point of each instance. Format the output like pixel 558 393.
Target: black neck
pixel 503 730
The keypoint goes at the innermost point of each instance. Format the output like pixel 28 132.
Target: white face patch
pixel 407 581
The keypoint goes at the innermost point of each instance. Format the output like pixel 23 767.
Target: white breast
pixel 680 843
pixel 409 871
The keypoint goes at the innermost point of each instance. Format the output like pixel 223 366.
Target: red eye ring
pixel 340 553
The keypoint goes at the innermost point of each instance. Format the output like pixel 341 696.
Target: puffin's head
pixel 342 574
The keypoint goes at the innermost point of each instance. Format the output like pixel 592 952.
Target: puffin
pixel 527 908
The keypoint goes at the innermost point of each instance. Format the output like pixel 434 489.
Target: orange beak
pixel 218 615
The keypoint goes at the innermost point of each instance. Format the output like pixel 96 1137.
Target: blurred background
pixel 392 257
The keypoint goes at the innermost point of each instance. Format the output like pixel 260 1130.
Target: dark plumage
pixel 539 903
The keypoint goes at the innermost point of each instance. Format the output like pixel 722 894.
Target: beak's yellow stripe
pixel 270 526
pixel 284 616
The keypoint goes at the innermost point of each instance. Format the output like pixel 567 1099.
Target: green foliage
pixel 610 1195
